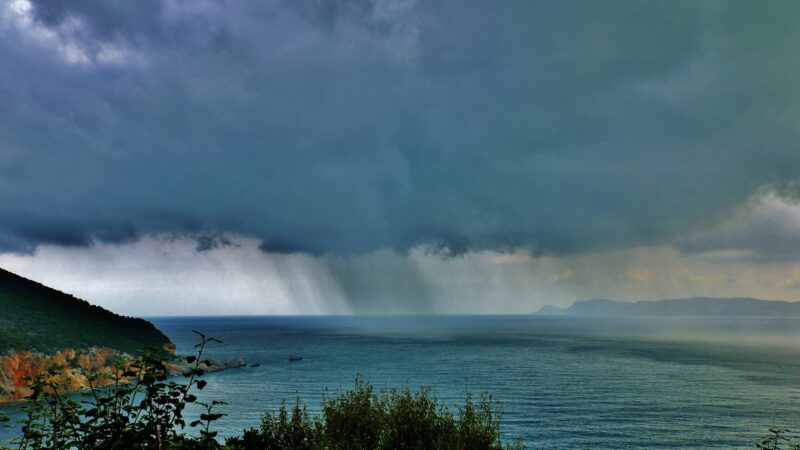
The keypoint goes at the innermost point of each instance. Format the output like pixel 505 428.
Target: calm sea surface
pixel 563 382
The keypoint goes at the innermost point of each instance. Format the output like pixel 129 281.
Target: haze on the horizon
pixel 172 157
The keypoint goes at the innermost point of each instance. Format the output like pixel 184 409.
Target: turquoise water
pixel 563 382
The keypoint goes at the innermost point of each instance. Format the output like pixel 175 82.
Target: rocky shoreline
pixel 18 368
pixel 179 365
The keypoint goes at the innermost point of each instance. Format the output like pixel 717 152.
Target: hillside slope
pixel 36 318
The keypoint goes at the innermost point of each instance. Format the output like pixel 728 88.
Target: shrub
pixel 363 419
pixel 779 439
pixel 143 408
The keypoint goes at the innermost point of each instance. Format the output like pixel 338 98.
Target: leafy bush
pixel 363 419
pixel 143 408
pixel 779 439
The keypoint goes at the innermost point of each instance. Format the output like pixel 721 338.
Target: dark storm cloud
pixel 208 242
pixel 344 127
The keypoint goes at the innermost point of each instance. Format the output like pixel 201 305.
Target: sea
pixel 561 381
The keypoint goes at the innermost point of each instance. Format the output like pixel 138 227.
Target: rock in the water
pixel 235 362
pixel 212 365
pixel 179 365
pixel 255 365
pixel 295 358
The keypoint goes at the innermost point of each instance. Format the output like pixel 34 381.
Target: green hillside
pixel 38 318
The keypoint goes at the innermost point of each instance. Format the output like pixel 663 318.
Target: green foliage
pixel 296 431
pixel 363 419
pixel 779 439
pixel 143 408
pixel 39 318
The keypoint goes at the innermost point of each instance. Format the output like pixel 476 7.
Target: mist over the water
pixel 173 275
pixel 564 382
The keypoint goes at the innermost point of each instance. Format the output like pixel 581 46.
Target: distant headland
pixel 695 306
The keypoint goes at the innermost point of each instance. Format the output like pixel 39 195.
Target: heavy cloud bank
pixel 346 127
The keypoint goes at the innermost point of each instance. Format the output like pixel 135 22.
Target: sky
pixel 165 157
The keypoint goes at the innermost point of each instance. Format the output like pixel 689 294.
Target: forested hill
pixel 34 317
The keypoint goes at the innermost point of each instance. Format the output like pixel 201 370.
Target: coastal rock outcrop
pixel 72 367
pixel 179 365
pixel 18 368
pixel 234 363
pixel 42 329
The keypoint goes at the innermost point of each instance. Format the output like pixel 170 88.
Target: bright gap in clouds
pixel 162 275
pixel 167 276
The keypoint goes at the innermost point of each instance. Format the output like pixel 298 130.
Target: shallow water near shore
pixel 563 382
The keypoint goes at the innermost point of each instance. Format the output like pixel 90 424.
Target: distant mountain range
pixel 696 306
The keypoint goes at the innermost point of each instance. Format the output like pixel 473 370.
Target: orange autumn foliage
pixel 18 368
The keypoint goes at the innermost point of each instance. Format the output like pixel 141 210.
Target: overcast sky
pixel 164 156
